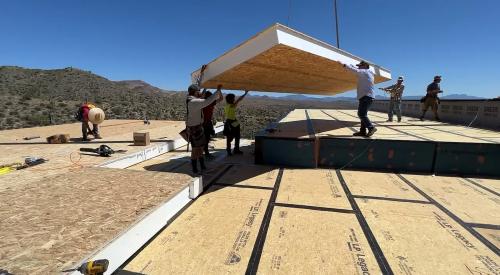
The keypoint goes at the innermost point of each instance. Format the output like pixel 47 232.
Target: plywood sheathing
pixel 53 223
pixel 263 176
pixel 287 69
pixel 312 187
pixel 460 197
pixel 492 184
pixel 280 59
pixel 337 123
pixel 421 239
pixel 301 241
pixel 382 185
pixel 63 158
pixel 215 235
pixel 491 235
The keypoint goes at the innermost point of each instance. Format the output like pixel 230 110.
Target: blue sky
pixel 161 42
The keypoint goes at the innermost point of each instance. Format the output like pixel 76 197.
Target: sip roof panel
pixel 280 59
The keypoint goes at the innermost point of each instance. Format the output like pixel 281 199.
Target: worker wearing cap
pixel 396 92
pixel 194 122
pixel 365 94
pixel 431 98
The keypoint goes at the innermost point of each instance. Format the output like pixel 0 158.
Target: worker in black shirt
pixel 431 98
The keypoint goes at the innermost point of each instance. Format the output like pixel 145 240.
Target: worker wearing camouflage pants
pixel 396 93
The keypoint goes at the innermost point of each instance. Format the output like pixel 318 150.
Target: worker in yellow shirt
pixel 232 125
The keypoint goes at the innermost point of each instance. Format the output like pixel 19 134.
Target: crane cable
pixel 289 13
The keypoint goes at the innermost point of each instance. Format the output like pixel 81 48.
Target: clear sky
pixel 162 42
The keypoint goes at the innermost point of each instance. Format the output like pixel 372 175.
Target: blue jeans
pixel 395 106
pixel 363 107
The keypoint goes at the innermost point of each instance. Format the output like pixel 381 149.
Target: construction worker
pixel 208 126
pixel 232 128
pixel 83 115
pixel 365 94
pixel 431 99
pixel 194 122
pixel 396 92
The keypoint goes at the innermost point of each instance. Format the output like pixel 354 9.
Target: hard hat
pixel 96 115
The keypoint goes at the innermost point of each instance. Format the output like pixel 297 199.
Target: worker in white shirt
pixel 365 95
pixel 194 122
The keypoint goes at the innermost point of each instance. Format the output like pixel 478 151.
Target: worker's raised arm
pixel 200 77
pixel 350 68
pixel 202 103
pixel 240 98
pixel 386 89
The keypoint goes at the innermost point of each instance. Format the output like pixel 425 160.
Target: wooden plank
pixel 214 235
pixel 421 239
pixel 460 197
pixel 312 187
pixel 385 185
pixel 263 176
pixel 491 235
pixel 301 241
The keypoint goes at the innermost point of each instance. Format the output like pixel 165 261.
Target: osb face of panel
pixel 379 185
pixel 467 201
pixel 215 235
pixel 314 187
pixel 303 241
pixel 52 224
pixel 420 239
pixel 286 69
pixel 491 235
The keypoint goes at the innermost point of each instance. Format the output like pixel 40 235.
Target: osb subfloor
pixel 318 221
pixel 118 134
pixel 301 123
pixel 56 213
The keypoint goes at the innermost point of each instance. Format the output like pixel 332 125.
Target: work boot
pixel 202 164
pixel 389 120
pixel 359 134
pixel 371 131
pixel 237 152
pixel 194 165
pixel 399 119
pixel 97 136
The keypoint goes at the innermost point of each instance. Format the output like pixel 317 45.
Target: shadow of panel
pixel 385 155
pixel 479 159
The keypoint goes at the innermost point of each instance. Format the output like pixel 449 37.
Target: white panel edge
pixel 311 45
pixel 247 50
pixel 120 249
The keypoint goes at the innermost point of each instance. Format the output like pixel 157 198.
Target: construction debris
pixel 58 139
pixel 141 138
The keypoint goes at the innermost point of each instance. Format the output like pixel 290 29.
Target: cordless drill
pixel 97 267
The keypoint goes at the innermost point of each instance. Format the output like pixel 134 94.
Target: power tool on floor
pixel 103 150
pixel 97 267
